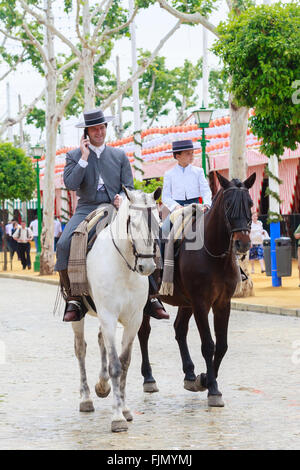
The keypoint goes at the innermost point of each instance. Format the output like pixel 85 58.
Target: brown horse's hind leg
pixel 143 335
pixel 181 328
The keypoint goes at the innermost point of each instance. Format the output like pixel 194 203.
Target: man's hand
pixel 205 208
pixel 84 147
pixel 117 201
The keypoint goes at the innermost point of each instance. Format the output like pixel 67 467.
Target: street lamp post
pixel 202 118
pixel 37 152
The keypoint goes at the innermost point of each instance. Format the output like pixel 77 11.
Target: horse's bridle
pixel 230 230
pixel 135 252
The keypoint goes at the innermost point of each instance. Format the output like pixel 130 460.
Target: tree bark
pixel 238 134
pixel 47 239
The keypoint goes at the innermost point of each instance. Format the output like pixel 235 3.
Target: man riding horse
pixel 96 172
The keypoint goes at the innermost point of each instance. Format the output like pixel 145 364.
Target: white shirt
pixel 84 163
pixel 22 233
pixel 258 234
pixel 34 227
pixel 57 228
pixel 8 229
pixel 188 184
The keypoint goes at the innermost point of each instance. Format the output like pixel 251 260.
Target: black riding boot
pixel 154 307
pixel 75 309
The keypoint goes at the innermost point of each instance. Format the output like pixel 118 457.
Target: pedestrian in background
pixel 1 235
pixel 14 246
pixel 297 236
pixel 57 231
pixel 257 236
pixel 23 235
pixel 34 227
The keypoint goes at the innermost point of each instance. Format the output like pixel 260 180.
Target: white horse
pixel 118 267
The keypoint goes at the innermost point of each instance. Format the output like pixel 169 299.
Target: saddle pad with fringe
pixel 182 220
pixel 77 260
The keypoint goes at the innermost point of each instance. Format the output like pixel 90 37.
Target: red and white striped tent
pixel 156 162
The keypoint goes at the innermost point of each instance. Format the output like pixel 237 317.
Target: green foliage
pixel 17 176
pixel 160 86
pixel 204 7
pixel 260 49
pixel 37 117
pixel 217 87
pixel 149 186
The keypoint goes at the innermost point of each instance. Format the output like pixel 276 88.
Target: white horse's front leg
pixel 108 323
pixel 102 388
pixel 86 403
pixel 129 333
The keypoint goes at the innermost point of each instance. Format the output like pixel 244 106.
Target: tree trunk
pixel 47 239
pixel 238 169
pixel 238 133
pixel 88 61
pixel 4 241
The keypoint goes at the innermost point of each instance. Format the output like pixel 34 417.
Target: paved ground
pixel 39 381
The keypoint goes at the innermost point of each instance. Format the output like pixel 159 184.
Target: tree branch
pixel 195 18
pixel 118 28
pixel 98 9
pixel 52 28
pixel 13 67
pixel 101 20
pixel 141 69
pixel 15 38
pixel 12 121
pixel 38 45
pixel 77 23
pixel 71 91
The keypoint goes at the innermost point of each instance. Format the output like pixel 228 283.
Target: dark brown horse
pixel 206 278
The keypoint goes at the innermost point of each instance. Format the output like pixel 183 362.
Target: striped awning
pixel 17 204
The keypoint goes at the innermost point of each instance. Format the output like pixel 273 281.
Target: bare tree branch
pixel 98 9
pixel 38 45
pixel 101 20
pixel 195 18
pixel 15 38
pixel 118 28
pixel 141 69
pixel 77 23
pixel 71 91
pixel 13 67
pixel 52 28
pixel 27 109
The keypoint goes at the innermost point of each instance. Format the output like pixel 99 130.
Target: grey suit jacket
pixel 114 168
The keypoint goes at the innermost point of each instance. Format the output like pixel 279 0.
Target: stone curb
pixel 292 312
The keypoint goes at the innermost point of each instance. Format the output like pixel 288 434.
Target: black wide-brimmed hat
pixel 181 145
pixel 94 117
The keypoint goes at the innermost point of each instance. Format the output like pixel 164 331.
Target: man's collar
pixel 97 150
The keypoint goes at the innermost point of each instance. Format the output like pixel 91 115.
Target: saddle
pixel 82 241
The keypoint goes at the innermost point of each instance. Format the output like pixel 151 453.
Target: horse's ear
pixel 249 182
pixel 157 193
pixel 126 191
pixel 224 182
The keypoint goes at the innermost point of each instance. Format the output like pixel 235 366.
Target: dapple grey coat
pixel 115 171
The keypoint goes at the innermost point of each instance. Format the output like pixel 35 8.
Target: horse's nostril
pixel 141 269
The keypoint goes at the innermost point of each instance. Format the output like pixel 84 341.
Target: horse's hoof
pixel 190 385
pixel 86 406
pixel 199 385
pixel 102 391
pixel 150 387
pixel 127 415
pixel 215 400
pixel 119 426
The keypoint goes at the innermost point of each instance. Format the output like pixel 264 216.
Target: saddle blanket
pixel 182 220
pixel 102 216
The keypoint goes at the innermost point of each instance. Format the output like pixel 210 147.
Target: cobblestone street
pixel 39 383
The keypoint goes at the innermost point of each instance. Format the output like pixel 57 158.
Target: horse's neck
pixel 216 234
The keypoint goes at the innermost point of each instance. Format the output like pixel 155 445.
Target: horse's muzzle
pixel 241 246
pixel 145 267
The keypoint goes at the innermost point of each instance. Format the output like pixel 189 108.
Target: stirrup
pixel 77 309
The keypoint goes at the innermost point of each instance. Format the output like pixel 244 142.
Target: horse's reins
pixel 228 251
pixel 135 252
